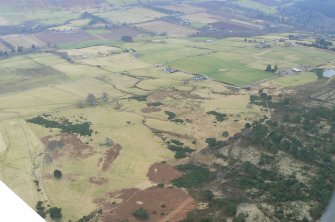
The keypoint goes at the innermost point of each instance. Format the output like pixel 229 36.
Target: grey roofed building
pixel 329 73
pixel 170 70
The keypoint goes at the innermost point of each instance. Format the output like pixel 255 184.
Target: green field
pixel 295 80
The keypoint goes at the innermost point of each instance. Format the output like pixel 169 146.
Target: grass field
pixel 168 28
pixel 131 16
pixel 43 16
pixel 26 41
pixel 89 43
pixel 202 17
pixel 20 163
pixel 295 80
pixel 230 71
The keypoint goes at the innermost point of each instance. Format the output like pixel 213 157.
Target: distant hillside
pixel 33 4
pixel 326 7
pixel 311 15
pixel 47 3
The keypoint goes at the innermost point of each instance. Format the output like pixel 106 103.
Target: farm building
pixel 170 70
pixel 295 69
pixel 200 77
pixel 329 73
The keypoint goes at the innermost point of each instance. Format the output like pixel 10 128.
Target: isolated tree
pixel 275 69
pixel 225 134
pixel 55 213
pixel 58 174
pixel 207 195
pixel 319 73
pixel 33 46
pixel 268 68
pixel 91 100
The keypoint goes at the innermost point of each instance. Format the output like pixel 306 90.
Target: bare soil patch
pixel 163 173
pixel 162 204
pixel 110 155
pixel 98 180
pixel 118 32
pixel 73 148
pixel 64 37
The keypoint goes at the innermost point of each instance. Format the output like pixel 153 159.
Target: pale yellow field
pixel 116 63
pixel 4 21
pixel 20 164
pixel 78 71
pixel 185 8
pixel 295 80
pixel 3 145
pixel 76 24
pixel 169 28
pixel 92 51
pixel 131 16
pixel 26 41
pixel 202 17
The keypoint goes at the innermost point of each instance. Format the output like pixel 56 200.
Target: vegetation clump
pixel 83 129
pixel 219 116
pixel 194 175
pixel 141 214
pixel 171 115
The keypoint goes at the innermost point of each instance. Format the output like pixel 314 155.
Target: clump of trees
pixel 194 175
pixel 270 69
pixel 180 150
pixel 54 212
pixel 127 38
pixel 215 144
pixel 83 129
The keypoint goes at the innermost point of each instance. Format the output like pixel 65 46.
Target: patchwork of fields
pixel 102 99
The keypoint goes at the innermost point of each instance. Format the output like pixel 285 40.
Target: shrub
pixel 55 213
pixel 141 214
pixel 58 174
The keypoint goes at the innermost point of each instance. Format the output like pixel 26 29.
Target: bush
pixel 231 210
pixel 219 116
pixel 207 195
pixel 55 213
pixel 58 174
pixel 240 218
pixel 141 214
pixel 171 115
